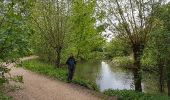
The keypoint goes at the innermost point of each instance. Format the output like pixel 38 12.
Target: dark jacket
pixel 68 61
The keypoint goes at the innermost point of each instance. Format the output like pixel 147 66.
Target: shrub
pixel 5 76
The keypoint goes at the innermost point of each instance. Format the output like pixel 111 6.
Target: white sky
pixel 111 35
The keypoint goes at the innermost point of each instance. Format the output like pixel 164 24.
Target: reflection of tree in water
pixel 150 82
pixel 113 77
pixel 88 70
pixel 107 76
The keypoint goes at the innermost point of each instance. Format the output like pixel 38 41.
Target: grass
pixel 40 67
pixel 4 97
pixel 133 95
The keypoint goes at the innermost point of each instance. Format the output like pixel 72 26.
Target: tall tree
pixel 50 18
pixel 84 36
pixel 163 38
pixel 14 34
pixel 163 15
pixel 133 21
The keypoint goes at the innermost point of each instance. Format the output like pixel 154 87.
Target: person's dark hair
pixel 71 55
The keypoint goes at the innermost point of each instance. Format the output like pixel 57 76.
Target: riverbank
pixel 60 74
pixel 56 73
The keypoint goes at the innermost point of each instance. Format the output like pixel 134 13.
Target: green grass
pixel 56 73
pixel 4 97
pixel 133 95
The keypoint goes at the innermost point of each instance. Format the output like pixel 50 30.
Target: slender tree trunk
pixel 58 60
pixel 58 57
pixel 168 85
pixel 137 53
pixel 161 77
pixel 168 78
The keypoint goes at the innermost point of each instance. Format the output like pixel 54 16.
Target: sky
pixel 110 35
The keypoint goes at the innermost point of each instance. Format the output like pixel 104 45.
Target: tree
pixel 158 49
pixel 163 15
pixel 117 47
pixel 84 36
pixel 131 20
pixel 51 20
pixel 14 33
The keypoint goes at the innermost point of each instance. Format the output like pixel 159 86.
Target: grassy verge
pixel 4 97
pixel 133 95
pixel 56 73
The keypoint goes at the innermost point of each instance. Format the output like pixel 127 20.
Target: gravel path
pixel 39 87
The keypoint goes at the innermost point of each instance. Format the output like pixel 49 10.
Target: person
pixel 71 62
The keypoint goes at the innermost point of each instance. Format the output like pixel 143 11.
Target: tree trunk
pixel 58 60
pixel 161 77
pixel 168 84
pixel 58 57
pixel 137 53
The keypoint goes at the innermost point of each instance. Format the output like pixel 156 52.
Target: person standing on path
pixel 71 62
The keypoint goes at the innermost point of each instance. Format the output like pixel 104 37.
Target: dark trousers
pixel 70 73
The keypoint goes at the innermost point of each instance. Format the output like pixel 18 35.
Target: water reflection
pixel 107 76
pixel 113 78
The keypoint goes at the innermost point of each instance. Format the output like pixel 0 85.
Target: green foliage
pixel 56 73
pixel 117 47
pixel 85 83
pixel 133 95
pixel 4 97
pixel 14 32
pixel 2 81
pixel 14 36
pixel 77 33
pixel 18 79
pixel 50 22
pixel 4 71
pixel 126 62
pixel 157 52
pixel 157 49
pixel 84 39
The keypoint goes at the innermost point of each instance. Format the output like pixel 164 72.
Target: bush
pixel 56 73
pixel 133 95
pixel 123 61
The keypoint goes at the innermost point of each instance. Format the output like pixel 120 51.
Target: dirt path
pixel 38 87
